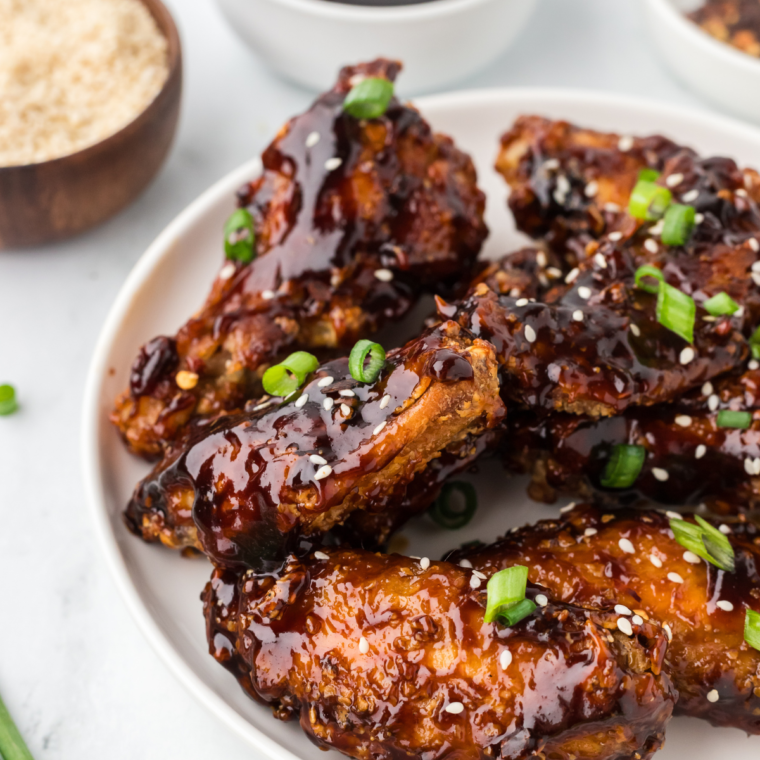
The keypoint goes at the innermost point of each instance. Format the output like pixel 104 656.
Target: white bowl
pixel 723 75
pixel 440 42
pixel 172 278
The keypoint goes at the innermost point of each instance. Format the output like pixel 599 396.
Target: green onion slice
pixel 705 541
pixel 449 511
pixel 8 403
pixel 513 615
pixel 624 466
pixel 720 305
pixel 239 236
pixel 505 590
pixel 12 745
pixel 648 271
pixel 289 375
pixel 648 201
pixel 369 98
pixel 649 175
pixel 754 344
pixel 752 628
pixel 675 310
pixel 366 361
pixel 678 224
pixel 729 419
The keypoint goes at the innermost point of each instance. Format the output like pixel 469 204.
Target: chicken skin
pixel 389 657
pixel 630 558
pixel 246 485
pixel 353 220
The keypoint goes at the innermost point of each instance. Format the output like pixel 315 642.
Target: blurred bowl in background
pixel 53 200
pixel 720 73
pixel 440 42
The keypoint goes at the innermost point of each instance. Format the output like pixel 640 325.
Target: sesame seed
pixel 613 208
pixel 591 189
pixel 625 143
pixel 227 271
pixel 563 184
pixel 541 600
pixel 724 529
pixel 699 218
pixel 673 515
pixel 550 164
pixel 268 295
pixel 347 392
pixel 660 474
pixel 615 236
pixel 567 507
pixel 316 459
pixel 754 244
pixel 590 532
pixel 475 581
pixel 530 334
pixel 656 229
pixel 345 410
pixel 578 315
pixel 674 179
pixel 691 558
pixel 683 420
pixel 624 625
pixel 424 563
pixel 700 451
pixel 325 381
pixel 584 292
pixel 690 196
pixel 379 428
pixel 541 259
pixel 505 659
pixel 752 466
pixel 302 399
pixel 741 192
pixel 651 245
pixel 384 401
pixel 707 388
pixel 322 472
pixel 455 708
pixel 687 355
pixel 363 645
pixel 554 273
pixel 626 546
pixel 521 302
pixel 572 274
pixel 465 563
pixel 668 632
pixel 637 620
pixel 755 266
pixel 312 139
pixel 480 575
pixel 755 277
pixel 600 261
pixel 753 364
pixel 333 163
pixel 186 380
pixel 675 577
pixel 636 330
pixel 725 605
pixel 384 275
pixel 321 555
pixel 328 404
pixel 713 696
pixel 621 609
pixel 712 402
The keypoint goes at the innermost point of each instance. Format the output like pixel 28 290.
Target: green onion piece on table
pixel 366 361
pixel 648 201
pixel 705 541
pixel 12 745
pixel 369 98
pixel 720 305
pixel 752 629
pixel 678 224
pixel 675 310
pixel 624 466
pixel 506 595
pixel 289 375
pixel 8 403
pixel 239 236
pixel 729 419
pixel 451 512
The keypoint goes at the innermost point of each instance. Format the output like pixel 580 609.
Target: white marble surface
pixel 74 669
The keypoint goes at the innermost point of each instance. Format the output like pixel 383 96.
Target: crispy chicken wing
pixel 388 657
pixel 353 220
pixel 630 558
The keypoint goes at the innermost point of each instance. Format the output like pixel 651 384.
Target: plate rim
pixel 141 272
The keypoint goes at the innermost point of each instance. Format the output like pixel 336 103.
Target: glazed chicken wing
pixel 389 657
pixel 629 561
pixel 353 219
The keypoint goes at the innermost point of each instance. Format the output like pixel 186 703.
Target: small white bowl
pixel 439 42
pixel 725 76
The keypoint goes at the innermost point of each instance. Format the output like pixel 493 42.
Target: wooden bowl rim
pixel 167 26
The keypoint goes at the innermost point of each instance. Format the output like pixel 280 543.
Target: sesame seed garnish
pixel 701 450
pixel 625 143
pixel 668 632
pixel 660 474
pixel 624 625
pixel 657 228
pixel 541 259
pixel 691 558
pixel 670 514
pixel 554 273
pixel 312 139
pixel 347 392
pixel 345 410
pixel 755 277
pixel 741 192
pixel 480 575
pixel 578 315
pixel 475 581
pixel 584 292
pixel 686 355
pixel 712 695
pixel 363 645
pixel 333 163
pixel 674 179
pixel 186 380
pixel 600 261
pixel 258 407
pixel 752 466
pixel 572 274
pixel 636 330
pixel 328 404
pixel 615 236
pixel 590 532
pixel 384 275
pixel 651 245
pixel 699 218
pixel 712 402
pixel 541 600
pixel 455 708
pixel 755 266
pixel 530 334
pixel 591 189
pixel 753 364
pixel 683 420
pixel 690 196
pixel 754 244
pixel 637 620
pixel 379 428
pixel 316 459
pixel 621 609
pixel 465 563
pixel 567 507
pixel 227 271
pixel 613 208
pixel 268 295
pixel 550 164
pixel 424 563
pixel 521 302
pixel 325 381
pixel 384 401
pixel 725 605
pixel 675 577
pixel 505 659
pixel 321 555
pixel 707 388
pixel 724 529
pixel 302 399
pixel 626 546
pixel 322 472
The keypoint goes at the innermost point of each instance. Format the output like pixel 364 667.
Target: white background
pixel 74 670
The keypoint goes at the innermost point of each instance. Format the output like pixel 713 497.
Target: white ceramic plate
pixel 171 280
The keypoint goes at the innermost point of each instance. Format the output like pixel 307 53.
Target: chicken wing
pixel 353 220
pixel 389 657
pixel 629 560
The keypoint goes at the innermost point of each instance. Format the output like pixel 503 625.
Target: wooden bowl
pixel 52 200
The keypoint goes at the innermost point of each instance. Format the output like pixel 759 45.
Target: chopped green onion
pixel 675 310
pixel 8 403
pixel 705 541
pixel 752 628
pixel 289 375
pixel 648 271
pixel 624 466
pixel 678 224
pixel 369 98
pixel 720 305
pixel 12 745
pixel 505 590
pixel 513 615
pixel 648 201
pixel 754 344
pixel 239 236
pixel 729 419
pixel 649 175
pixel 450 512
pixel 362 370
